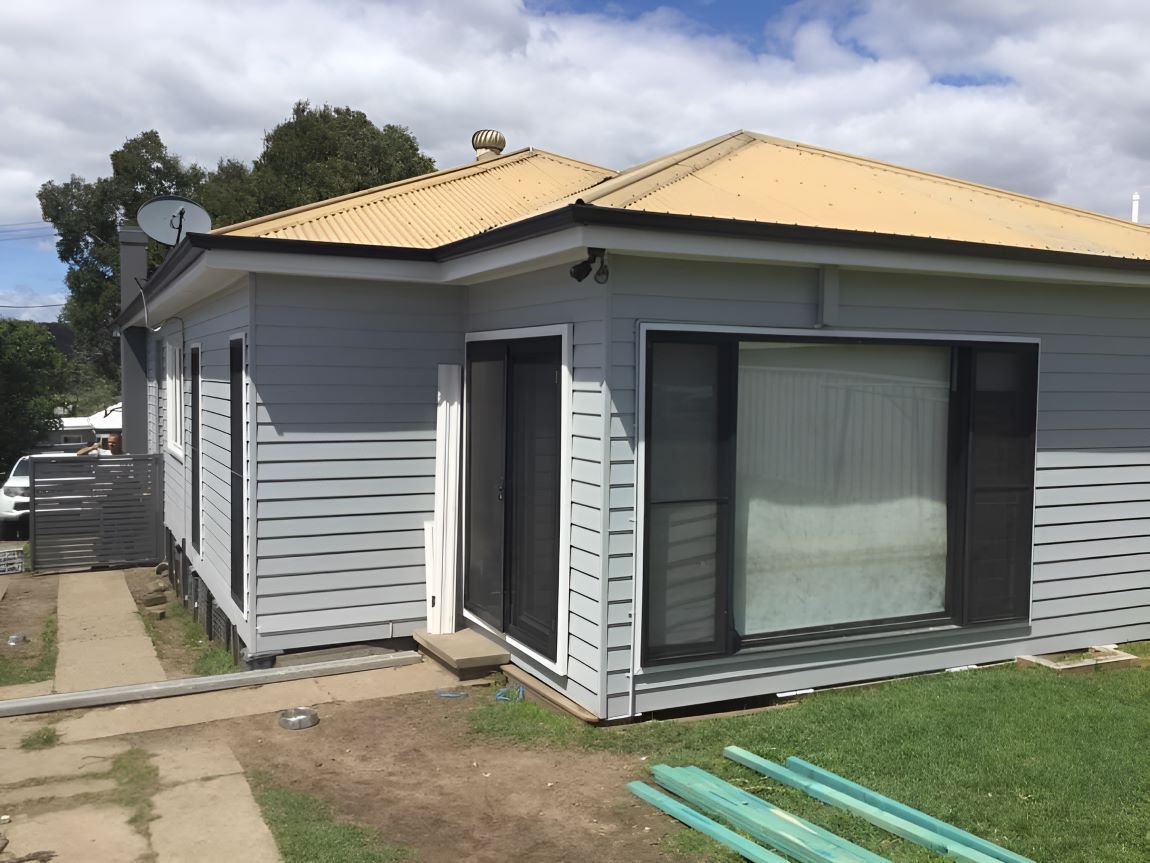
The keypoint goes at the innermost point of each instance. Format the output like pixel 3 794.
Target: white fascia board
pixel 702 247
pixel 325 266
pixel 566 246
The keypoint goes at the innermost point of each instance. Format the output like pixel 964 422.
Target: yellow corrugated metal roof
pixel 437 208
pixel 743 175
pixel 757 178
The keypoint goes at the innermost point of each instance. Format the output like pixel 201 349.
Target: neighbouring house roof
pixel 742 176
pixel 110 419
pixel 434 209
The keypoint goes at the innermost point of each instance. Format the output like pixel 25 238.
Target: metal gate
pixel 95 511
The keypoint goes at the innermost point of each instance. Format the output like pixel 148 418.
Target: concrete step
pixel 466 653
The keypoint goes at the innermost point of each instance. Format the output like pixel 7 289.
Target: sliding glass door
pixel 513 488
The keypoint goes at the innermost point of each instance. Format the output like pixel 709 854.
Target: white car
pixel 14 499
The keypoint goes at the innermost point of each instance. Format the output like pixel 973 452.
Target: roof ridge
pixel 879 164
pixel 648 169
pixel 419 181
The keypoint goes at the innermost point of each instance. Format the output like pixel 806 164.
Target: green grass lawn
pixel 19 668
pixel 1053 767
pixel 306 830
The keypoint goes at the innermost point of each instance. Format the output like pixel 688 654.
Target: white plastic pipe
pixel 1134 208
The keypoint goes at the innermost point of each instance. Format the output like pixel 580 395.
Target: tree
pixel 87 217
pixel 30 384
pixel 321 153
pixel 316 153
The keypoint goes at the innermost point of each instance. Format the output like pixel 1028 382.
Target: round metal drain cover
pixel 298 717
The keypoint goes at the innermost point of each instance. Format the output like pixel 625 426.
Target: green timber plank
pixel 892 823
pixel 744 846
pixel 766 823
pixel 914 816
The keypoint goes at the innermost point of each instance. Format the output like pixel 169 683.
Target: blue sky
pixel 1046 97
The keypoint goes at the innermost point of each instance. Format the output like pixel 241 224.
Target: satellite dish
pixel 168 218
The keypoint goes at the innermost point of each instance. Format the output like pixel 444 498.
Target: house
pixel 748 418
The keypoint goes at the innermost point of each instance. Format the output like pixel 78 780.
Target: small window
pixel 174 396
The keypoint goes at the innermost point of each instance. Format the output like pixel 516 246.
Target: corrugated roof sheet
pixel 743 175
pixel 434 209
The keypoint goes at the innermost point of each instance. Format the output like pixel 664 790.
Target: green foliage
pixel 137 781
pixel 31 380
pixel 323 152
pixel 86 390
pixel 1053 767
pixel 315 154
pixel 15 668
pixel 211 659
pixel 44 737
pixel 306 830
pixel 87 216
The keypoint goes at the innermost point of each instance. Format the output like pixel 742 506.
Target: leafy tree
pixel 320 153
pixel 87 216
pixel 316 153
pixel 30 384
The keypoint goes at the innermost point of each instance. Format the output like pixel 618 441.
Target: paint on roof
pixel 742 176
pixel 437 208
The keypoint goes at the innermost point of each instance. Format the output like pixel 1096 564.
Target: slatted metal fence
pixel 96 511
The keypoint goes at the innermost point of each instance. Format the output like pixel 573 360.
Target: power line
pixel 27 237
pixel 39 306
pixel 18 224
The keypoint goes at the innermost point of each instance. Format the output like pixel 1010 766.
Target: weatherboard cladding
pixel 1092 536
pixel 551 297
pixel 345 382
pixel 211 325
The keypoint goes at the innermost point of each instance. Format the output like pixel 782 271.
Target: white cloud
pixel 1066 117
pixel 26 304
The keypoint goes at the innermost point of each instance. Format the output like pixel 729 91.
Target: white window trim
pixel 559 665
pixel 644 328
pixel 174 395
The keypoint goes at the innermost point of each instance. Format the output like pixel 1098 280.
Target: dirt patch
pixel 409 767
pixel 27 604
pixel 176 653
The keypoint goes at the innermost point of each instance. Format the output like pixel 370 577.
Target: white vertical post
pixel 443 570
pixel 1134 207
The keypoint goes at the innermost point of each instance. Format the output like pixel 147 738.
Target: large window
pixel 800 488
pixel 174 396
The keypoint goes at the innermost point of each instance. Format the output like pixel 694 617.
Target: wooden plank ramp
pixel 722 835
pixel 787 833
pixel 866 795
pixel 928 839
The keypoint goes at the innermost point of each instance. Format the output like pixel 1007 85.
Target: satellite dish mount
pixel 168 218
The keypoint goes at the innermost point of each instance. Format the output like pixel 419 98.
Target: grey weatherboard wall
pixel 1092 536
pixel 345 379
pixel 210 324
pixel 543 298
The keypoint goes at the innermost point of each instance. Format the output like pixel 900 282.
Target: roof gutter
pixel 193 246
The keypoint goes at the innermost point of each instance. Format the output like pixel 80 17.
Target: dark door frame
pixel 559 664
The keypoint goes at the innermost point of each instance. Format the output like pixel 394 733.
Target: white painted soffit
pixel 217 269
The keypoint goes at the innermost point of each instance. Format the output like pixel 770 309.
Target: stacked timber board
pixel 792 836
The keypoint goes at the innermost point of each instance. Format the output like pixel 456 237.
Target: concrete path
pixel 101 638
pixel 80 803
pixel 186 710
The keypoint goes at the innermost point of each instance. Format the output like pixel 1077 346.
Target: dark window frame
pixel 195 372
pixel 960 492
pixel 237 411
